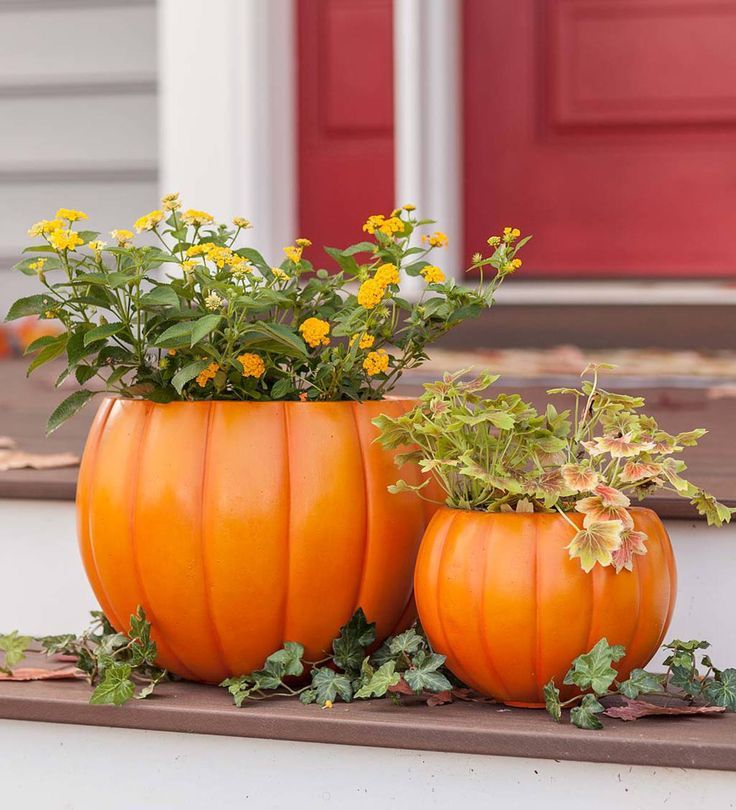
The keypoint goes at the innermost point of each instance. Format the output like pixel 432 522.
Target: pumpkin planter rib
pixel 499 595
pixel 239 526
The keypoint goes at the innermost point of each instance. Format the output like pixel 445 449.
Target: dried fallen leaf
pixel 634 709
pixel 448 696
pixel 17 459
pixel 35 674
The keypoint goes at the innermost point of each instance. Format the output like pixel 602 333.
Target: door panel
pixel 345 124
pixel 608 129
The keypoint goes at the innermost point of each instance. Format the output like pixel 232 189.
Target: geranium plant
pixel 501 454
pixel 199 315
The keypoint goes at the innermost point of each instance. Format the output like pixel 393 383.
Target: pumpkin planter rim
pixel 204 402
pixel 639 509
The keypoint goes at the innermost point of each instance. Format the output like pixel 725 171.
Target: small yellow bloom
pixel 373 223
pixel 205 376
pixel 49 315
pixel 241 222
pixel 219 255
pixel 280 274
pixel 370 293
pixel 65 239
pixel 494 241
pixel 45 226
pixel 376 362
pixel 37 265
pixel 302 242
pixel 477 258
pixel 97 245
pixel 171 352
pixel 149 221
pixel 315 332
pixel 365 341
pixel 327 704
pixel 239 265
pixel 122 237
pixel 387 274
pixel 70 214
pixel 409 207
pixel 391 226
pixel 203 248
pixel 187 267
pixel 509 267
pixel 433 275
pixel 163 363
pixel 293 253
pixel 171 202
pixel 253 365
pixel 193 217
pixel 213 301
pixel 437 239
pixel 510 234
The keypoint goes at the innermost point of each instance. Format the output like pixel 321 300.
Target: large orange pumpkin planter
pixel 239 526
pixel 499 595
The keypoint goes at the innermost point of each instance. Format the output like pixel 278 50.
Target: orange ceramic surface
pixel 238 526
pixel 499 595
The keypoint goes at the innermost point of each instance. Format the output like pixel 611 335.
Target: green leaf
pixel 281 388
pixel 379 682
pixel 68 408
pixel 408 642
pixel 203 326
pixel 49 352
pixel 14 646
pixel 189 372
pixel 349 647
pixel 722 690
pixel 286 661
pixel 32 305
pixel 423 675
pixel 552 700
pixel 144 650
pixel 640 682
pixel 40 343
pixel 274 337
pixel 116 687
pixel 584 715
pixel 593 669
pixel 328 685
pixel 102 332
pixel 175 336
pixel 161 296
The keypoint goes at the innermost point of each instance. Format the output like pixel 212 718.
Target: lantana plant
pixel 501 455
pixel 201 316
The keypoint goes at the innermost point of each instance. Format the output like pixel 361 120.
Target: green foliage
pixel 199 316
pixel 119 666
pixel 501 454
pixel 596 678
pixel 13 646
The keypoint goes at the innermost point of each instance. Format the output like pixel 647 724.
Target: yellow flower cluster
pixel 302 242
pixel 193 217
pixel 315 332
pixel 511 234
pixel 293 253
pixel 241 222
pixel 213 301
pixel 65 239
pixel 122 237
pixel 376 362
pixel 171 202
pixel 433 275
pixel 509 267
pixel 45 226
pixel 494 241
pixel 220 256
pixel 365 341
pixel 253 365
pixel 97 245
pixel 208 374
pixel 280 274
pixel 378 222
pixel 148 221
pixel 387 274
pixel 70 214
pixel 437 239
pixel 370 293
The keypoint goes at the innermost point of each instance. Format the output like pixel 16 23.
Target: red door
pixel 345 117
pixel 608 129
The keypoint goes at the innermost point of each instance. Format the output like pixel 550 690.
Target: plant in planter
pixel 230 485
pixel 538 552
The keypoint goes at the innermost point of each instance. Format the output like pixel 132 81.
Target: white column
pixel 428 116
pixel 227 111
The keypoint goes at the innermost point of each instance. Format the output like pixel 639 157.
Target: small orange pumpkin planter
pixel 239 526
pixel 499 595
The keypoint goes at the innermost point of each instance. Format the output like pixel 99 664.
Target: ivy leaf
pixel 68 408
pixel 640 682
pixel 380 681
pixel 423 675
pixel 144 650
pixel 328 684
pixel 308 696
pixel 722 690
pixel 408 642
pixel 593 669
pixel 240 688
pixel 14 646
pixel 349 647
pixel 286 661
pixel 584 715
pixel 116 687
pixel 552 700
